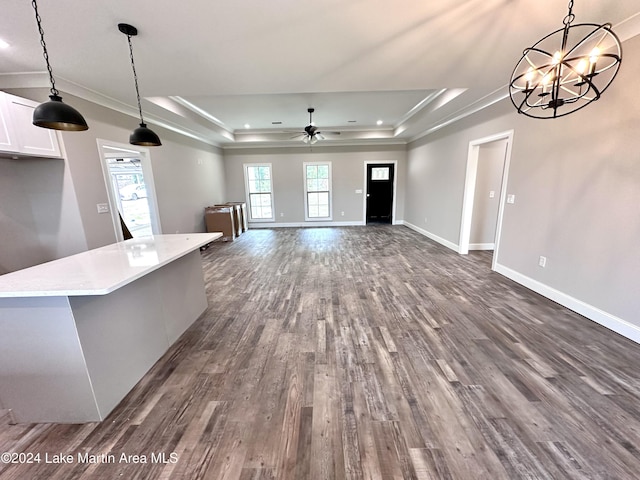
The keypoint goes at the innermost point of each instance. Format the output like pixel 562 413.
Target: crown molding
pixel 41 80
pixel 321 144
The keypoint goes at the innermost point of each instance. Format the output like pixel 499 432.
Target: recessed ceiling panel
pixel 353 109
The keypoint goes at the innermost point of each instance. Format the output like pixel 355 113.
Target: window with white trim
pixel 259 189
pixel 317 191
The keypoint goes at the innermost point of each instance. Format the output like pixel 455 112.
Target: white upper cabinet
pixel 19 135
pixel 8 141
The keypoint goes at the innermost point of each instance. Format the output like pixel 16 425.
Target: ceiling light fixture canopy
pixel 142 135
pixel 54 114
pixel 549 82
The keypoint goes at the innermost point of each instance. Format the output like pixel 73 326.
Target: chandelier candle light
pixel 551 83
pixel 142 135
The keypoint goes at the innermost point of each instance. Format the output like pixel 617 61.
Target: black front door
pixel 379 192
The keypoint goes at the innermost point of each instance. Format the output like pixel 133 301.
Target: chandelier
pixel 566 70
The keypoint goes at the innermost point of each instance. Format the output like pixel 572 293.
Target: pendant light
pixel 142 135
pixel 54 114
pixel 555 77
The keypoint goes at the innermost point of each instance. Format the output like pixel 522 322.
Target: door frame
pixel 147 171
pixel 470 188
pixel 395 189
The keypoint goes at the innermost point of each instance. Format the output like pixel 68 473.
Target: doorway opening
pixel 129 180
pixel 485 194
pixel 380 197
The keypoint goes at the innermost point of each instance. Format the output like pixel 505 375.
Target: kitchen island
pixel 76 334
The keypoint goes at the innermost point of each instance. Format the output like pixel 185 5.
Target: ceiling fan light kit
pixel 566 70
pixel 311 135
pixel 142 135
pixel 54 114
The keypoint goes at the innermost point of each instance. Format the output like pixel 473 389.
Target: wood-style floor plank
pixel 362 353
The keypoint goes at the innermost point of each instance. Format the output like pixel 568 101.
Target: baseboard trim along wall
pixel 435 238
pixel 482 246
pixel 618 325
pixel 359 223
pixel 304 224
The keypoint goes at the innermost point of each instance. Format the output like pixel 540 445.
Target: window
pixel 380 173
pixel 259 191
pixel 317 190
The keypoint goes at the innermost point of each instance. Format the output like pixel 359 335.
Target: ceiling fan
pixel 311 134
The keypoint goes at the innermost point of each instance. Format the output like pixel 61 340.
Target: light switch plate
pixel 103 207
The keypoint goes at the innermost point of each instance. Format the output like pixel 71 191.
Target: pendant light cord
pixel 45 54
pixel 135 78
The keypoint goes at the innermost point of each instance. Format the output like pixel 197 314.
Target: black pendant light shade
pixel 54 114
pixel 142 135
pixel 58 116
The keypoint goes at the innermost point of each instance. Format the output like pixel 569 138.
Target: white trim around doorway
pixel 470 187
pixel 129 151
pixel 394 221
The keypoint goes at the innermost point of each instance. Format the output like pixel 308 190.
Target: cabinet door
pixel 32 140
pixel 8 142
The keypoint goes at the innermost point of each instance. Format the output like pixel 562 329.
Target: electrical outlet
pixel 511 198
pixel 342 214
pixel 425 219
pixel 542 261
pixel 492 194
pixel 281 214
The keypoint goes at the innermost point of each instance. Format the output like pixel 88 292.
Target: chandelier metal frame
pixel 548 82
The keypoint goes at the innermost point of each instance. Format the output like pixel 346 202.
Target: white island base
pixel 70 353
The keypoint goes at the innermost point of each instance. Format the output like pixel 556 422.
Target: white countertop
pixel 102 270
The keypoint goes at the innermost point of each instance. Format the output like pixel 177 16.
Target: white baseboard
pixel 618 325
pixel 304 224
pixel 433 237
pixel 482 246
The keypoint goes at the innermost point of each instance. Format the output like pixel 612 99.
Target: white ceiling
pixel 208 68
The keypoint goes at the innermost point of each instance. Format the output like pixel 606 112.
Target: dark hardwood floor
pixel 363 353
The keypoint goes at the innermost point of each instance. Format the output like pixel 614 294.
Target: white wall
pixel 577 185
pixel 188 175
pixel 39 217
pixel 348 175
